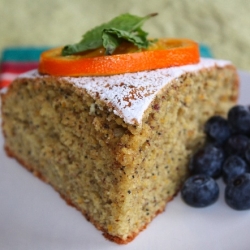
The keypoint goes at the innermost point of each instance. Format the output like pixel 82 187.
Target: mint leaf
pixel 113 37
pixel 110 42
pixel 111 34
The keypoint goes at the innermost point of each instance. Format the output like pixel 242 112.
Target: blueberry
pixel 239 119
pixel 237 192
pixel 247 153
pixel 217 128
pixel 233 167
pixel 237 144
pixel 208 160
pixel 200 191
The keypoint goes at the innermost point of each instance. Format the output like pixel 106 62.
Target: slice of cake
pixel 115 147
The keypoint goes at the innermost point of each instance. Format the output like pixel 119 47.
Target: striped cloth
pixel 17 60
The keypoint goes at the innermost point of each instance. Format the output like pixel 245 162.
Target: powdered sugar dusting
pixel 129 95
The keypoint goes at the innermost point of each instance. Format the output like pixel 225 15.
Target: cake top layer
pixel 130 94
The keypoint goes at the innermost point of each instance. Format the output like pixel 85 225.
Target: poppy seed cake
pixel 115 147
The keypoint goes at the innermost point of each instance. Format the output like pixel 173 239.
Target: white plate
pixel 34 217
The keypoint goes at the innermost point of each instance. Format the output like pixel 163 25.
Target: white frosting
pixel 130 94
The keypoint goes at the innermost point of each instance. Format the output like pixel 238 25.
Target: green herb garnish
pixel 110 35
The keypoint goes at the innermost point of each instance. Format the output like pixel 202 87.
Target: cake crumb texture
pixel 119 175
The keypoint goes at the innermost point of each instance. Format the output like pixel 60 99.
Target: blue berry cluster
pixel 225 154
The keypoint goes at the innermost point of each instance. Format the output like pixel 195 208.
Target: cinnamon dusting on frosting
pixel 130 94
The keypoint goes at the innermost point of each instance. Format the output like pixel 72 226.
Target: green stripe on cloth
pixel 26 54
pixel 205 51
pixel 22 54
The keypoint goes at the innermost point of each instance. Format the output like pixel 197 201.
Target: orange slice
pixel 162 54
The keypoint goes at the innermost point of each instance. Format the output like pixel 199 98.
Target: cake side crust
pixel 84 213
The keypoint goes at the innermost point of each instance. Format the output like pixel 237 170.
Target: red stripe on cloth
pixel 10 70
pixel 4 83
pixel 18 67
